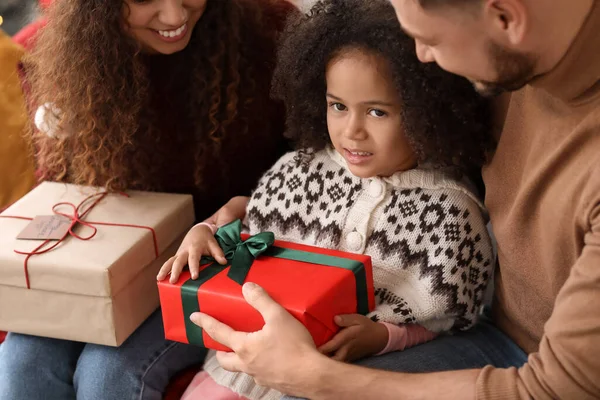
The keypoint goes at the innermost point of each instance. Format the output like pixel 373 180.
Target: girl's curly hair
pixel 447 123
pixel 110 103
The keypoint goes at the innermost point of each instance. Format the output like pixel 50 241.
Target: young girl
pixel 383 142
pixel 163 95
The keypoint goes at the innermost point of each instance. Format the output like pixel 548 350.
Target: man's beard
pixel 514 71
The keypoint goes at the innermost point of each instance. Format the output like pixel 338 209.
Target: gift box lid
pixel 104 264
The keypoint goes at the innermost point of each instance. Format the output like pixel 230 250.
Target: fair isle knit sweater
pixel 426 234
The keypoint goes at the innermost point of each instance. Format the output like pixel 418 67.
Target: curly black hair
pixel 447 123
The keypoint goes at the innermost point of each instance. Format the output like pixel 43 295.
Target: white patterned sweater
pixel 426 235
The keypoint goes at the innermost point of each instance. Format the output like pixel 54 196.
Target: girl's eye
pixel 377 113
pixel 338 106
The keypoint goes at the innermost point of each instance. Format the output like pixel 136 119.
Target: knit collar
pixel 577 75
pixel 420 177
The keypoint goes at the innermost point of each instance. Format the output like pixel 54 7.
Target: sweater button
pixel 355 241
pixel 375 188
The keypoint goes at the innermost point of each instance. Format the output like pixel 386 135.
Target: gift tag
pixel 46 227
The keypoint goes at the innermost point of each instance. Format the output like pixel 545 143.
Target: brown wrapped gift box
pixel 94 291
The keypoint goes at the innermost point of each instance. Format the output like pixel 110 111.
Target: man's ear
pixel 507 21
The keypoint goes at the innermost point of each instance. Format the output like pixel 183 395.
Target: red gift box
pixel 312 283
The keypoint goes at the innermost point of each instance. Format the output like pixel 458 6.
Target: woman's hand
pixel 198 242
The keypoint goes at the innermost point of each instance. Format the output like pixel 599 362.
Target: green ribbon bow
pixel 240 254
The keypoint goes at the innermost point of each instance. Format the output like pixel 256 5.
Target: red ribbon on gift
pixel 76 217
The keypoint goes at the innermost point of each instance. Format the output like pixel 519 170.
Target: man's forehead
pixel 411 16
pixel 426 23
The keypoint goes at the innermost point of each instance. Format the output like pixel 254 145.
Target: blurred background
pixel 16 14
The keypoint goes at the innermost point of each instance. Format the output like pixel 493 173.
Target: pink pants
pixel 203 387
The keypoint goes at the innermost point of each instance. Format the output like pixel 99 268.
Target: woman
pixel 166 95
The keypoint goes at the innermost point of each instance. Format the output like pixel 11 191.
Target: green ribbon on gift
pixel 240 255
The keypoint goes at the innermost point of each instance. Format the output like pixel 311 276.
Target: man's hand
pixel 360 337
pixel 283 356
pixel 273 354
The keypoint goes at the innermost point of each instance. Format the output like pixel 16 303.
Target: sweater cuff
pixel 416 334
pixel 213 228
pixel 404 336
pixel 396 338
pixel 497 384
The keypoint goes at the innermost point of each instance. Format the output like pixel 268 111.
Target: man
pixel 543 194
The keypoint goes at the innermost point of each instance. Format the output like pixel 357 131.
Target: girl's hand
pixel 360 337
pixel 198 242
pixel 234 209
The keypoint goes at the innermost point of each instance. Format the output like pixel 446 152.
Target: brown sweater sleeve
pixel 567 365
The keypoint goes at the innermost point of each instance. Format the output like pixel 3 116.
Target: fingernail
pixel 248 287
pixel 337 319
pixel 195 317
